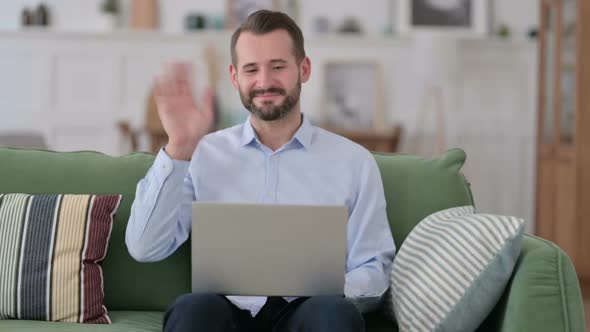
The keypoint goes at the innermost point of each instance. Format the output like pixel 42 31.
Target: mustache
pixel 258 92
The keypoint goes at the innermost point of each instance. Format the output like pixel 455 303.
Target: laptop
pixel 268 250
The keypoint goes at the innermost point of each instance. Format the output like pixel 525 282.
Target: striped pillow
pixel 452 269
pixel 50 250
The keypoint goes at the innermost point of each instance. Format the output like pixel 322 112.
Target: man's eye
pixel 278 67
pixel 251 71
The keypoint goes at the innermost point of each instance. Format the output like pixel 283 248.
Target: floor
pixel 587 310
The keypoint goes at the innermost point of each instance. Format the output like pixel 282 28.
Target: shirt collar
pixel 248 133
pixel 303 135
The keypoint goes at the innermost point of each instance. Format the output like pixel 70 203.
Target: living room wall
pixel 48 78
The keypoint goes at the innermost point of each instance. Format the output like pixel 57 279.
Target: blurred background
pixel 498 78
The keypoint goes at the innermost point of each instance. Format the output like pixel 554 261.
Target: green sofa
pixel 542 295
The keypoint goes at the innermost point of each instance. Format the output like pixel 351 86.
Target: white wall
pixel 83 14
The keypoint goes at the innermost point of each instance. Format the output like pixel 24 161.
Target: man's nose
pixel 264 79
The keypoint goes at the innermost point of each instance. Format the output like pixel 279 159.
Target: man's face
pixel 267 74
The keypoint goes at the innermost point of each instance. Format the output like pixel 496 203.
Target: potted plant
pixel 110 13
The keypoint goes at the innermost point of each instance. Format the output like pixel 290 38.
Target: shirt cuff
pixel 364 292
pixel 365 282
pixel 164 166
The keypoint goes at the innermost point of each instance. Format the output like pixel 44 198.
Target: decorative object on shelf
pixel 27 17
pixel 110 10
pixel 435 75
pixel 37 17
pixel 216 22
pixel 195 22
pixel 42 17
pixel 110 7
pixel 238 10
pixel 144 14
pixel 533 33
pixel 350 25
pixel 353 96
pixel 466 17
pixel 503 31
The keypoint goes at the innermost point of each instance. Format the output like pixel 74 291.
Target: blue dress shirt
pixel 232 165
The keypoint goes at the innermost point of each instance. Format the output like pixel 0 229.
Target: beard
pixel 268 111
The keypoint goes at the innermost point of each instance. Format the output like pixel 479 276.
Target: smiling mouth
pixel 268 95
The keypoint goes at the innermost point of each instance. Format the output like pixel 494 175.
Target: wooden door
pixel 545 211
pixel 583 144
pixel 565 225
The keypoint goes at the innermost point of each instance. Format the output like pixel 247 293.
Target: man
pixel 275 157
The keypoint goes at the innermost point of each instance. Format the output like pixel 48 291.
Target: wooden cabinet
pixel 387 141
pixel 563 130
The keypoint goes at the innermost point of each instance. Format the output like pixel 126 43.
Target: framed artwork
pixel 468 17
pixel 353 96
pixel 238 10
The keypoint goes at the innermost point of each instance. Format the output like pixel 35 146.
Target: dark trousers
pixel 211 312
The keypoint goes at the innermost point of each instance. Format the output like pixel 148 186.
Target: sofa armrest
pixel 543 293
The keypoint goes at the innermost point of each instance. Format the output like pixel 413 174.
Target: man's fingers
pixel 176 79
pixel 163 88
pixel 183 88
pixel 179 71
pixel 171 88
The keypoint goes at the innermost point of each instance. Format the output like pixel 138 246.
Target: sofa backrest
pixel 414 188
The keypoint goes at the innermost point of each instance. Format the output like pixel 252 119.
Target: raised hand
pixel 183 121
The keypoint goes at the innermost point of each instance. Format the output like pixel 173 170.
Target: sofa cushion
pixel 452 269
pixel 51 249
pixel 417 187
pixel 122 321
pixel 129 285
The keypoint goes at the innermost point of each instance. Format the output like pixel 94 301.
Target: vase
pixel 144 14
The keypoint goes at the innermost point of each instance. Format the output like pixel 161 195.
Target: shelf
pixel 332 40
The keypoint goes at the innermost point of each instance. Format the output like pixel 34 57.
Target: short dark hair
pixel 265 21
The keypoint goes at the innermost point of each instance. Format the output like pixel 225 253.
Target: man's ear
pixel 233 75
pixel 305 69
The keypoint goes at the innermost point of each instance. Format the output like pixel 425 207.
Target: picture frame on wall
pixel 238 10
pixel 463 17
pixel 353 96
